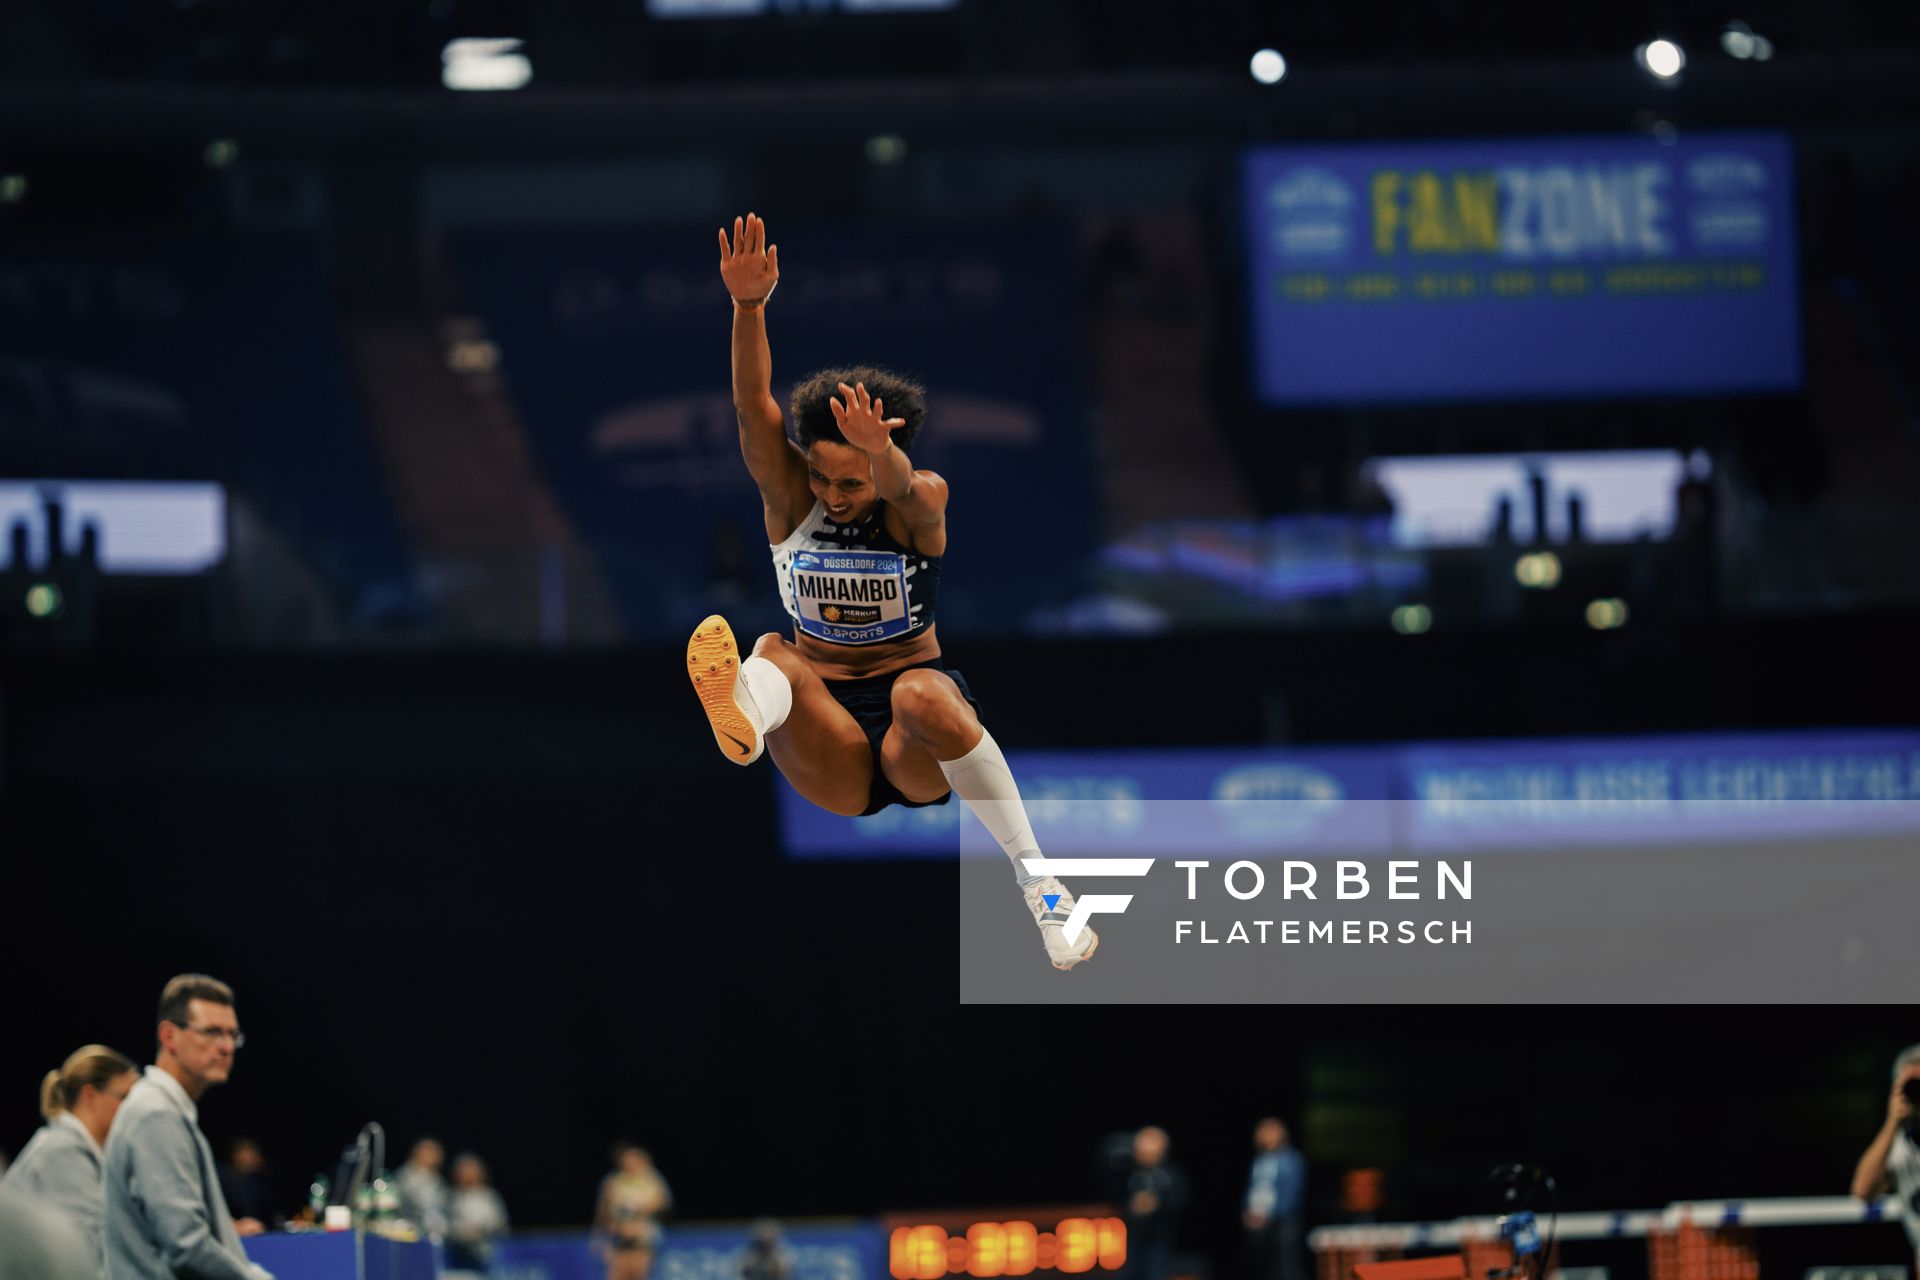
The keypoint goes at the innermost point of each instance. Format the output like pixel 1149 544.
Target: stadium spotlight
pixel 1268 66
pixel 1607 614
pixel 13 188
pixel 1663 59
pixel 221 153
pixel 474 63
pixel 1537 570
pixel 886 148
pixel 43 600
pixel 1412 619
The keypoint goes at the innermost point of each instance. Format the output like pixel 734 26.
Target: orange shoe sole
pixel 1080 960
pixel 713 664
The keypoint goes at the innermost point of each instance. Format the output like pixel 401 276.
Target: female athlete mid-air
pixel 857 709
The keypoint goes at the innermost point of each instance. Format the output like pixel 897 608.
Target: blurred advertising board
pixel 822 1251
pixel 1523 268
pixel 1532 794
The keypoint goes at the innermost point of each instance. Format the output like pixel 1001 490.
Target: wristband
pixel 758 302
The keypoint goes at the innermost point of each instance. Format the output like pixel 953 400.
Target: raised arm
pixel 1870 1175
pixel 750 268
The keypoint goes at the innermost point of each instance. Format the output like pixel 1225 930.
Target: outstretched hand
pixel 750 266
pixel 862 419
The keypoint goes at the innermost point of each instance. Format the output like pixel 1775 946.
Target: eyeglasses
pixel 238 1037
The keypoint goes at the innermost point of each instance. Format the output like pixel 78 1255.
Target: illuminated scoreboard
pixel 1013 1243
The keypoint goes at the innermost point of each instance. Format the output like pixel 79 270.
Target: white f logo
pixel 1090 904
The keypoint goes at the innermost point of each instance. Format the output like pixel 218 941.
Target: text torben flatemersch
pixel 1245 881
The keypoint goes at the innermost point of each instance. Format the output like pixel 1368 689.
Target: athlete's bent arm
pixel 750 268
pixel 919 496
pixel 1870 1175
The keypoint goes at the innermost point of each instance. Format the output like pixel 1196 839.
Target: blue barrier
pixel 331 1255
pixel 1451 794
pixel 850 1251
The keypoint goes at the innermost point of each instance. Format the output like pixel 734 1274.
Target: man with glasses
pixel 166 1216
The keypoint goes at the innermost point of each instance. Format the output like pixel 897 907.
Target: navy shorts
pixel 870 703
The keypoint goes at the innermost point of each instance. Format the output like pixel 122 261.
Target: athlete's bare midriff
pixel 861 662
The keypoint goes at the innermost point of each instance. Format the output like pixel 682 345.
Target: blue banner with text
pixel 1523 268
pixel 1532 794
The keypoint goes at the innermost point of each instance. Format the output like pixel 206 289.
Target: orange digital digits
pixel 917 1253
pixel 992 1249
pixel 1079 1248
pixel 1023 1248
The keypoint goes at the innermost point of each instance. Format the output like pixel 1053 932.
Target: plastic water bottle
pixel 386 1200
pixel 317 1195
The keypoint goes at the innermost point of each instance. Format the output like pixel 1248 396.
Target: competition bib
pixel 850 597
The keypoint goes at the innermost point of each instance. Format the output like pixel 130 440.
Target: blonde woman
pixel 61 1163
pixel 632 1198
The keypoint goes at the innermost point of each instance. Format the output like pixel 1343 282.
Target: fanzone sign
pixel 1577 267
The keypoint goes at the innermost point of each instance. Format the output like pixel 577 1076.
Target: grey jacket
pixel 61 1167
pixel 166 1216
pixel 37 1242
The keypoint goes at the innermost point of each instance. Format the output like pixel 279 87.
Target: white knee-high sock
pixel 982 779
pixel 766 687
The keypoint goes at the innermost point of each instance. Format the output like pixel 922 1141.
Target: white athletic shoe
pixel 713 664
pixel 1052 921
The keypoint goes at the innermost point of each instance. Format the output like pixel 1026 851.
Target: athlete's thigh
pixel 822 750
pixel 934 712
pixel 911 767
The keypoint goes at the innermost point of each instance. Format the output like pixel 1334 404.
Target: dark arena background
pixel 366 455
